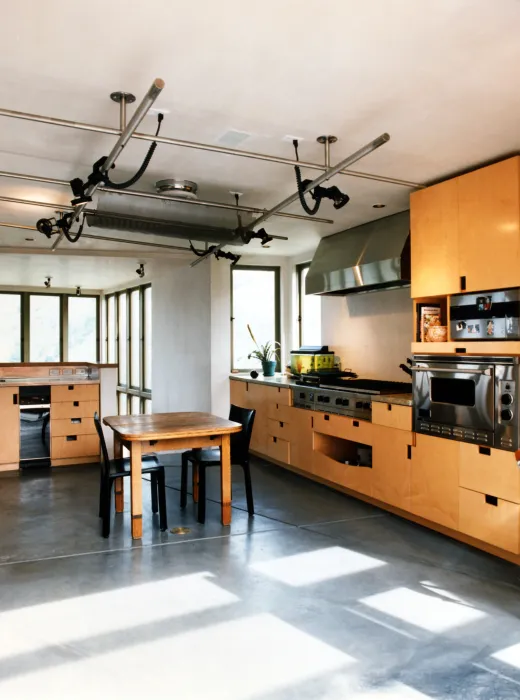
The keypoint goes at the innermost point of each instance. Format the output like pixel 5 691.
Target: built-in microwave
pixel 472 399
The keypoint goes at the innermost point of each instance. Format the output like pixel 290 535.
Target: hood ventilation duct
pixel 366 258
pixel 118 212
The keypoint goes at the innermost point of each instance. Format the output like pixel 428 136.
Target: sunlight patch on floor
pixel 82 617
pixel 509 655
pixel 422 610
pixel 235 660
pixel 315 567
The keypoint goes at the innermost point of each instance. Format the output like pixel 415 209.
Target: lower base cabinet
pixel 490 519
pixel 434 484
pixel 392 465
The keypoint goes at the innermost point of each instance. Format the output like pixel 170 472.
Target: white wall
pixel 181 339
pixel 220 336
pixel 370 332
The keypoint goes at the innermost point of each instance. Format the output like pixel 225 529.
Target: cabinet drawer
pixel 349 476
pixel 343 427
pixel 280 412
pixel 74 445
pixel 392 415
pixel 490 471
pixel 280 395
pixel 74 409
pixel 75 392
pixel 278 449
pixel 489 519
pixel 72 426
pixel 278 429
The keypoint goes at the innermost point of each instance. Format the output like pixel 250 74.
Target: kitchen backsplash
pixel 370 332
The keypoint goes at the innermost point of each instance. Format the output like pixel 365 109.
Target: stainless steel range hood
pixel 366 258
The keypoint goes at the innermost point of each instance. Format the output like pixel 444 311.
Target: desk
pixel 163 432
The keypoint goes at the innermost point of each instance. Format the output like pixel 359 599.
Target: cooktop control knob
pixel 359 404
pixel 345 402
pixel 507 399
pixel 339 402
pixel 326 399
pixel 506 414
pixel 366 406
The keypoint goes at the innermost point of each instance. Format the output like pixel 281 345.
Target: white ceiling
pixel 440 77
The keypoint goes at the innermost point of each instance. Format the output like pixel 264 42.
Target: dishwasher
pixel 35 407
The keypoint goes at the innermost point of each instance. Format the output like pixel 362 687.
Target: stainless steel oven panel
pixel 304 397
pixel 458 394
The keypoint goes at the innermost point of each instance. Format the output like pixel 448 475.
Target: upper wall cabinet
pixel 434 240
pixel 489 226
pixel 466 232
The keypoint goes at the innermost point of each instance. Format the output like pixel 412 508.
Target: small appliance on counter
pixel 486 315
pixel 312 359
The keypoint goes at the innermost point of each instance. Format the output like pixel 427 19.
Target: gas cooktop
pixel 362 386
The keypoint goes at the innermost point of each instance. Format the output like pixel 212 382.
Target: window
pixel 309 311
pixel 128 337
pixel 83 329
pixel 255 301
pixel 44 328
pixel 11 324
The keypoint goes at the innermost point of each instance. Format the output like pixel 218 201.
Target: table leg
pixel 118 484
pixel 225 479
pixel 136 488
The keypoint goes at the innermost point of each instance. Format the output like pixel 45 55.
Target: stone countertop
pixel 289 382
pixel 277 380
pixel 396 399
pixel 44 381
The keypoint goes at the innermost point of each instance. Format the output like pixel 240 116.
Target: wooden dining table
pixel 165 432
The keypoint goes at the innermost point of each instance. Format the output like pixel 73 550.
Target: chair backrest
pixel 240 441
pixel 105 465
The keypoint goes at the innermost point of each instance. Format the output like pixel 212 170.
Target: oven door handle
pixel 488 372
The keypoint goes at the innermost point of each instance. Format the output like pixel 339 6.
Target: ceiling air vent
pixel 179 188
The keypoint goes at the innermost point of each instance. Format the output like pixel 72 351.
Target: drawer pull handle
pixel 463 283
pixel 326 417
pixel 355 423
pixel 71 438
pixel 491 500
pixel 274 439
pixel 485 451
pixel 71 387
pixel 15 399
pixel 75 404
pixel 460 351
pixel 389 406
pixel 75 421
pixel 281 424
pixel 409 451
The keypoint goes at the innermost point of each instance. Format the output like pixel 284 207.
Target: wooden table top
pixel 162 426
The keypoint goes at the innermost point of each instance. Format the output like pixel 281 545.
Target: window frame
pixel 25 322
pixel 125 388
pixel 277 311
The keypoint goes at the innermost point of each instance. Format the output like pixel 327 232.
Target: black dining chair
pixel 202 458
pixel 116 468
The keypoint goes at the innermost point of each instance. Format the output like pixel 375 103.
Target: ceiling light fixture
pixel 47 282
pixel 78 291
pixel 29 239
pixel 378 206
pixel 140 270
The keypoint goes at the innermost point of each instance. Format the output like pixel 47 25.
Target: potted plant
pixel 267 354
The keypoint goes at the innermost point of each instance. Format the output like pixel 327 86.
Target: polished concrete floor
pixel 318 596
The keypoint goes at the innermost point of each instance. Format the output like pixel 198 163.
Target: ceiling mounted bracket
pixel 326 141
pixel 123 99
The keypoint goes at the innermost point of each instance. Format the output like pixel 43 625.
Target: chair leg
pixel 163 517
pixel 153 486
pixel 201 514
pixel 195 468
pixel 184 481
pixel 249 488
pixel 107 502
pixel 101 496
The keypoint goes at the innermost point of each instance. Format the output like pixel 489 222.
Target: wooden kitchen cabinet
pixel 489 471
pixel 392 415
pixel 301 438
pixel 434 240
pixel 239 395
pixel 489 226
pixel 10 422
pixel 490 519
pixel 434 484
pixel 392 465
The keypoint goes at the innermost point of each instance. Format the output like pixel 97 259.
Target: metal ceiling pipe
pixel 27 116
pixel 361 153
pixel 153 93
pixel 164 197
pixel 103 238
